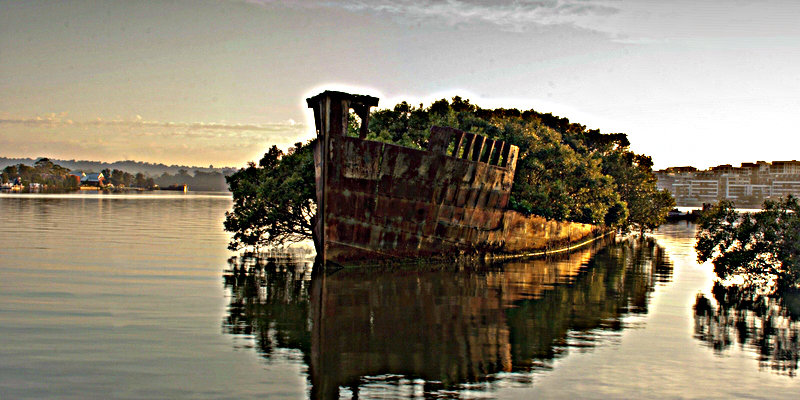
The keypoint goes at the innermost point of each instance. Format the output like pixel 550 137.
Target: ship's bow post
pixel 331 110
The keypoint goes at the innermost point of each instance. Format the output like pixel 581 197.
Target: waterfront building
pixel 93 179
pixel 747 185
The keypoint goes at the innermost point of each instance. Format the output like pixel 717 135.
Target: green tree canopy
pixel 564 172
pixel 274 201
pixel 762 248
pixel 53 176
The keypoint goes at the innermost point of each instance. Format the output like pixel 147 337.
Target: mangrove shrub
pixel 762 248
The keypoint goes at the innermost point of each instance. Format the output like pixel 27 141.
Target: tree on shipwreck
pixel 564 172
pixel 274 202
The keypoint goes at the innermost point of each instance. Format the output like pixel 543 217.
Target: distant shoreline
pixel 138 166
pixel 152 194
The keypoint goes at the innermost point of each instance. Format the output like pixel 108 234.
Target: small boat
pixel 677 215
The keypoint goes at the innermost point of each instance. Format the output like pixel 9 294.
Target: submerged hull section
pixel 382 201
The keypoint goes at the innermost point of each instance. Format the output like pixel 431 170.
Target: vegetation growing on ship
pixel 761 249
pixel 274 202
pixel 565 172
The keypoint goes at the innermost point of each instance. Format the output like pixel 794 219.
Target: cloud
pixel 195 143
pixel 54 120
pixel 514 15
pixel 639 22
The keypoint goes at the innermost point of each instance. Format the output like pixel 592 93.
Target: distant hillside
pixel 129 166
pixel 198 178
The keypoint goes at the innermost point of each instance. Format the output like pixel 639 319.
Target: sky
pixel 202 83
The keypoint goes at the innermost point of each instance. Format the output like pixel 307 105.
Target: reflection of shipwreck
pixel 441 327
pixel 378 200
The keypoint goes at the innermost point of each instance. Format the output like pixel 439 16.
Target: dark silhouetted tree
pixel 762 248
pixel 274 202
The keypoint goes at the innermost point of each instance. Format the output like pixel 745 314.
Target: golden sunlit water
pixel 136 296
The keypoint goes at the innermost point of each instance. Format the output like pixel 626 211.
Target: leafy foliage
pixel 564 171
pixel 123 178
pixel 52 176
pixel 635 183
pixel 274 201
pixel 762 248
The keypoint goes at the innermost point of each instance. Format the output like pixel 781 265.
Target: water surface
pixel 136 296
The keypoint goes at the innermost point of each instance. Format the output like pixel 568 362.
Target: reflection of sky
pixel 120 297
pixel 680 77
pixel 663 359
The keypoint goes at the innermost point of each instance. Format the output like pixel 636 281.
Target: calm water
pixel 137 297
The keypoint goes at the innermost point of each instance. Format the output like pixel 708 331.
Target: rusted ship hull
pixel 381 201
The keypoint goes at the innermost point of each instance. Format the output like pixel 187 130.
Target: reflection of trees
pixel 767 325
pixel 617 282
pixel 269 299
pixel 437 328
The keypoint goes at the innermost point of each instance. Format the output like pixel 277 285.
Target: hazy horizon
pixel 218 82
pixel 122 161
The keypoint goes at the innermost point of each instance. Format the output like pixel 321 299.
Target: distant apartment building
pixel 747 185
pixel 785 168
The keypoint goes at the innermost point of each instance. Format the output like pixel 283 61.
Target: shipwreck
pixel 378 201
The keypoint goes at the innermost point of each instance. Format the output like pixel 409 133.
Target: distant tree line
pixel 198 181
pixel 51 176
pixel 120 178
pixel 136 173
pixel 148 169
pixel 564 172
pixel 56 178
